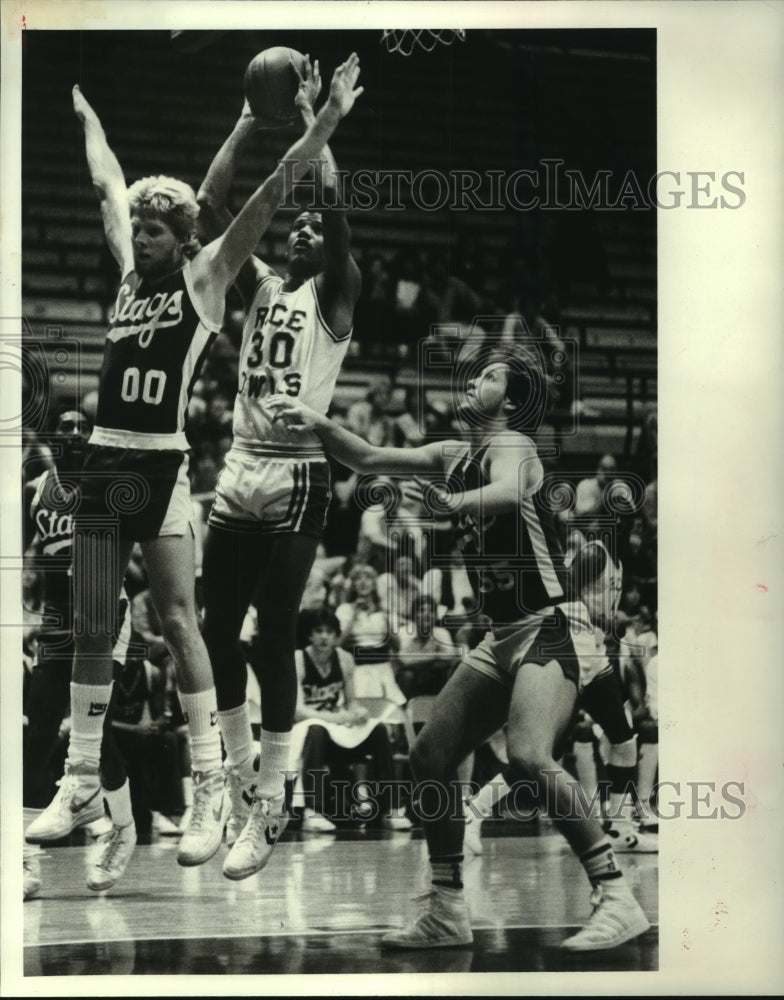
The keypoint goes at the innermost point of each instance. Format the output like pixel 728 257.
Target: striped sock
pixel 599 862
pixel 447 871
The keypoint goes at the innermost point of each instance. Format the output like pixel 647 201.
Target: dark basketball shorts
pixel 259 494
pixel 146 492
pixel 563 633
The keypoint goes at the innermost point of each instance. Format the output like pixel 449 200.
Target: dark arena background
pixel 457 249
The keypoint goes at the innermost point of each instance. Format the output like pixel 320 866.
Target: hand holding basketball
pixel 342 92
pixel 309 85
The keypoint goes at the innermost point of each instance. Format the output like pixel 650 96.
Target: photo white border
pixel 721 358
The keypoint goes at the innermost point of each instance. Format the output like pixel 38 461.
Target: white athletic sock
pixel 488 796
pixel 89 703
pixel 119 802
pixel 274 762
pixel 237 734
pixel 201 712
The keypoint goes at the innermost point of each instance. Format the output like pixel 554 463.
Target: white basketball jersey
pixel 287 348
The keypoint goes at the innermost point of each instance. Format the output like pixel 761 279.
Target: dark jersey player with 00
pixel 134 485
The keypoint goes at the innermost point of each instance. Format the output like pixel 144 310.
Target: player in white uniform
pixel 272 496
pixel 134 486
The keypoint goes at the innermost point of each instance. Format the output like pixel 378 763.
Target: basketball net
pixel 406 40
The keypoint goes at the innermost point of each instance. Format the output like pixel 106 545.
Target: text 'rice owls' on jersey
pixel 287 347
pixel 514 560
pixel 154 351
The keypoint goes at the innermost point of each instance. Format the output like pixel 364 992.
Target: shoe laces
pixel 113 845
pixel 202 800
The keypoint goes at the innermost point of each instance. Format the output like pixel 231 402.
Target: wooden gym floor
pixel 321 906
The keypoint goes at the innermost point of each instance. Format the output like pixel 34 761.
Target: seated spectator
pixel 425 659
pixel 141 729
pixel 419 422
pixel 369 417
pixel 336 730
pixel 397 592
pixel 365 633
pixel 590 499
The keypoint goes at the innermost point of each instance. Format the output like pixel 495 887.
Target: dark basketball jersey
pixel 51 511
pixel 514 560
pixel 323 693
pixel 154 350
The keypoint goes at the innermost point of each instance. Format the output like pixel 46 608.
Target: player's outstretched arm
pixel 109 182
pixel 213 196
pixel 340 283
pixel 348 448
pixel 222 259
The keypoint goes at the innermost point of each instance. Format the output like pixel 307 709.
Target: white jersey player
pixel 272 497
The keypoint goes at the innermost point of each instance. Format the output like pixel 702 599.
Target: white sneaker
pixel 79 801
pixel 628 840
pixel 31 870
pixel 444 924
pixel 253 847
pixel 472 833
pixel 241 788
pixel 617 917
pixel 203 835
pixel 114 858
pixel 313 822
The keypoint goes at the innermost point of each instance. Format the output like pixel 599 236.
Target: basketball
pixel 271 82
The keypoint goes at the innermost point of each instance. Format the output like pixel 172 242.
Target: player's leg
pixel 603 698
pixel 99 563
pixel 118 846
pixel 468 710
pixel 171 573
pixel 231 563
pixel 388 793
pixel 45 708
pixel 314 766
pixel 543 703
pixel 647 769
pixel 286 561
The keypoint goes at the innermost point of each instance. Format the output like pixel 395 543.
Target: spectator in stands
pixel 375 544
pixel 369 418
pixel 141 728
pixel 338 730
pixel 446 298
pixel 591 492
pixel 365 633
pixel 414 427
pixel 427 656
pixel 398 590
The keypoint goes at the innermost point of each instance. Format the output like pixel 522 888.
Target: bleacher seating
pixel 435 113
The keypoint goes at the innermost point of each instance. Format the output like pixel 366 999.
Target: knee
pixel 178 624
pixel 529 759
